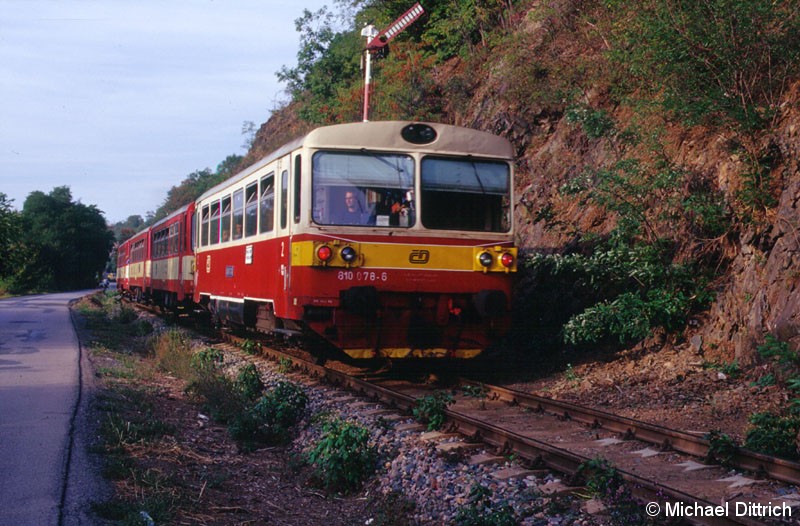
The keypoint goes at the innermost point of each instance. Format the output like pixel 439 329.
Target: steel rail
pixel 754 462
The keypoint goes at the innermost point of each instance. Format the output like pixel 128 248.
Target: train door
pixel 283 227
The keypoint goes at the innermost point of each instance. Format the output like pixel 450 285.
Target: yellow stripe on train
pixel 400 256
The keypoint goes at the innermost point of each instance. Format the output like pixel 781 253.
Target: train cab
pixel 387 239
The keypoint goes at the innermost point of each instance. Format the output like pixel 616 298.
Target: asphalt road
pixel 46 477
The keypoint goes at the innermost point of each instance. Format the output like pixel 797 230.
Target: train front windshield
pixel 465 194
pixel 363 188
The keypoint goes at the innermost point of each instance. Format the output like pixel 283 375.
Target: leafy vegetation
pixel 721 448
pixel 481 511
pixel 270 418
pixel 723 60
pixel 431 409
pixel 637 277
pixel 254 414
pixel 343 457
pixel 774 435
pixel 605 482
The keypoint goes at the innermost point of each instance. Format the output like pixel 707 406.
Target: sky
pixel 122 99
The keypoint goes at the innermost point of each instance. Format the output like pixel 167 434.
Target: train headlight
pixel 324 253
pixel 507 260
pixel 485 259
pixel 418 133
pixel 348 254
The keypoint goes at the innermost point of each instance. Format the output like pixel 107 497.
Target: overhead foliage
pixel 328 63
pixel 194 185
pixel 723 59
pixel 328 77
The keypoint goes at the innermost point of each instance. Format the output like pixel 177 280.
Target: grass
pixel 127 405
pixel 146 457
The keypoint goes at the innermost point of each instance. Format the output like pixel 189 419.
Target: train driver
pixel 353 212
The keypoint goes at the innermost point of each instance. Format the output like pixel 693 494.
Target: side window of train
pixel 174 237
pixel 238 214
pixel 214 230
pixel 297 181
pixel 267 204
pixel 225 224
pixel 251 210
pixel 284 198
pixel 205 219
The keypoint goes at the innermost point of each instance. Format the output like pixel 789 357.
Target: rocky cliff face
pixel 757 292
pixel 761 293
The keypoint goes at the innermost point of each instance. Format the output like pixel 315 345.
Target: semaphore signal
pixel 377 40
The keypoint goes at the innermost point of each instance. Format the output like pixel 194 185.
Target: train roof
pixel 386 136
pixel 389 135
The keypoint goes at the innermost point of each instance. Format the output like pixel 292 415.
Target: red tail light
pixel 507 260
pixel 324 253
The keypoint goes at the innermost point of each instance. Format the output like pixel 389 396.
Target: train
pixel 389 239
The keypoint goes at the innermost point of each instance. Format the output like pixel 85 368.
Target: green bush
pixel 208 359
pixel 630 290
pixel 343 457
pixel 270 418
pixel 774 435
pixel 721 448
pixel 601 477
pixel 283 404
pixel 222 399
pixel 778 351
pixel 248 381
pixel 431 409
pixel 251 347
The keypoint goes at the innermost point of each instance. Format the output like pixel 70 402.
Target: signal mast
pixel 378 40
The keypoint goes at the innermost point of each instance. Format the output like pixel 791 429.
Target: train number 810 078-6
pixel 362 276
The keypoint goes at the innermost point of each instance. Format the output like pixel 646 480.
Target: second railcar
pixel 172 267
pixel 390 239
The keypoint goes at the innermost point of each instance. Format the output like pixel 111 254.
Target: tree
pixel 328 63
pixel 126 229
pixel 69 242
pixel 10 236
pixel 195 185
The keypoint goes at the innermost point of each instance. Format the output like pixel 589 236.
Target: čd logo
pixel 419 257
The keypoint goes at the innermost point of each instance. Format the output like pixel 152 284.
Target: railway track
pixel 661 465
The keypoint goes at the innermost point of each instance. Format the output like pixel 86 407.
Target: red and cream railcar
pixel 134 265
pixel 172 259
pixel 123 260
pixel 387 239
